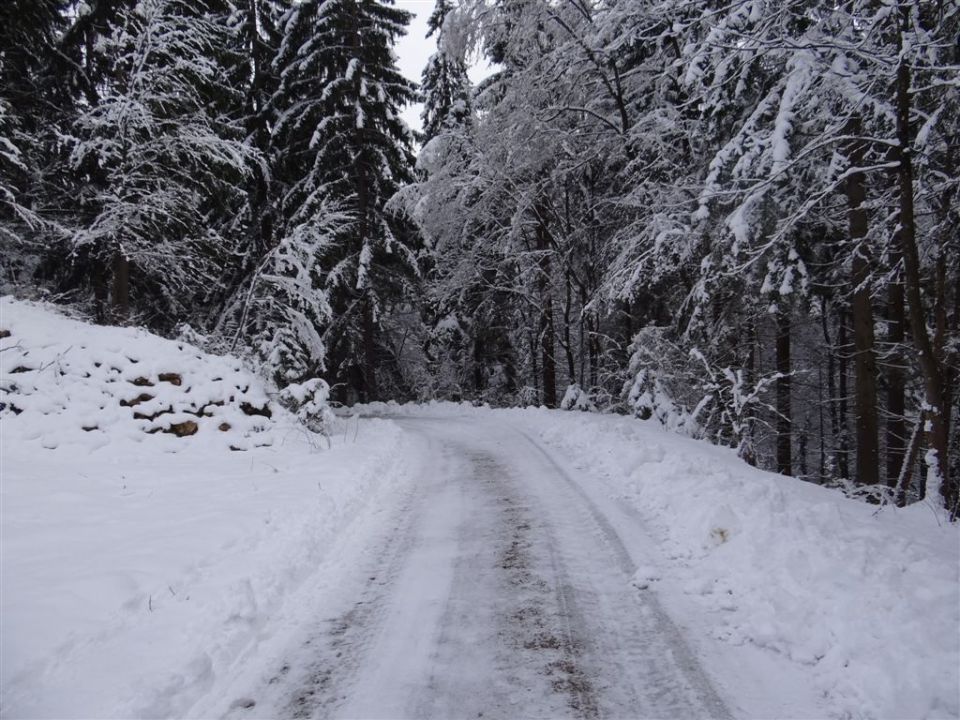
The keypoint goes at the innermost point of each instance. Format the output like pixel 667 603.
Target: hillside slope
pixel 138 562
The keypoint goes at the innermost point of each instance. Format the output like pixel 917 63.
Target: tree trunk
pixel 831 376
pixel 478 367
pixel 784 415
pixel 547 331
pixel 747 450
pixel 568 346
pixel 896 381
pixel 101 291
pixel 843 453
pixel 583 330
pixel 121 286
pixel 369 351
pixel 865 362
pixel 593 344
pixel 936 408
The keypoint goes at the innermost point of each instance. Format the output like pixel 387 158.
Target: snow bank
pixel 139 568
pixel 391 408
pixel 67 385
pixel 863 601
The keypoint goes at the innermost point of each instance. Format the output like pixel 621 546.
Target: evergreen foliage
pixel 339 137
pixel 161 158
pixel 737 219
pixel 719 215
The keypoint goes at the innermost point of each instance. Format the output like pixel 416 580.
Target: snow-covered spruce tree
pixel 29 116
pixel 754 97
pixel 256 30
pixel 860 61
pixel 15 216
pixel 445 334
pixel 162 160
pixel 339 139
pixel 284 309
pixel 445 88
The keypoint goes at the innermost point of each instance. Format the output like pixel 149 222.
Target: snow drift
pixel 796 596
pixel 138 565
pixel 863 601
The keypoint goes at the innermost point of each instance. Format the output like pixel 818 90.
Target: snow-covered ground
pixel 138 567
pixel 573 563
pixel 801 603
pixel 861 602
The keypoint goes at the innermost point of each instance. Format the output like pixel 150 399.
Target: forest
pixel 737 218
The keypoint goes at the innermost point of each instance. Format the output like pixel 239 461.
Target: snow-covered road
pixel 496 589
pixel 450 561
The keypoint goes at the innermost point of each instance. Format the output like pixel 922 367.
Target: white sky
pixel 414 49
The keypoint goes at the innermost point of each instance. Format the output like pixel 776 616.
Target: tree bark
pixel 121 286
pixel 935 401
pixel 831 375
pixel 865 362
pixel 896 381
pixel 478 367
pixel 784 414
pixel 101 291
pixel 547 331
pixel 843 347
pixel 568 346
pixel 369 351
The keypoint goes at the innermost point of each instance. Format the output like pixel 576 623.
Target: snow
pixel 147 574
pixel 67 385
pixel 863 602
pixel 138 568
pixel 803 603
pixel 575 398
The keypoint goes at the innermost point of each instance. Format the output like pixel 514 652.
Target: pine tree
pixel 340 138
pixel 256 36
pixel 29 37
pixel 163 161
pixel 445 88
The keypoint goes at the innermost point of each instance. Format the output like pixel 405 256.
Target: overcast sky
pixel 414 49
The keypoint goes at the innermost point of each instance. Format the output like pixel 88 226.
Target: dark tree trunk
pixel 936 410
pixel 478 366
pixel 593 343
pixel 535 363
pixel 547 331
pixel 101 291
pixel 121 287
pixel 896 382
pixel 784 414
pixel 843 353
pixel 865 362
pixel 831 374
pixel 583 330
pixel 747 450
pixel 568 346
pixel 369 351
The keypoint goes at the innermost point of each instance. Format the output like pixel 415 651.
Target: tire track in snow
pixel 668 635
pixel 501 591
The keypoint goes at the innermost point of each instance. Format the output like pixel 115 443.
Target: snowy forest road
pixel 498 589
